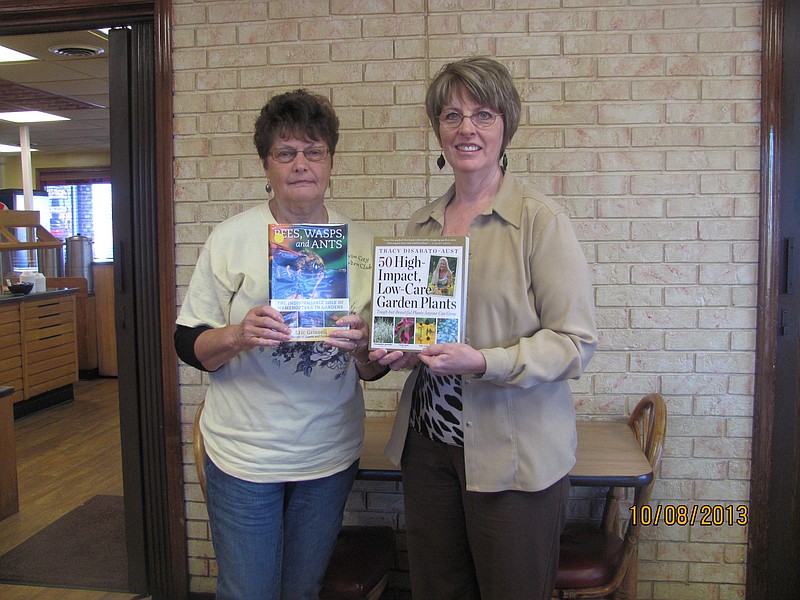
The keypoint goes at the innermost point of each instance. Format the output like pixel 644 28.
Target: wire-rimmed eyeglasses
pixel 482 118
pixel 287 155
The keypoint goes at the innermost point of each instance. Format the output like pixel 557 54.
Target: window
pixel 79 202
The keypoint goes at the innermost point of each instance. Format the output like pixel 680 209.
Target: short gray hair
pixel 482 79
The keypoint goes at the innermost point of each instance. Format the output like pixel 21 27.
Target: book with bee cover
pixel 308 280
pixel 419 292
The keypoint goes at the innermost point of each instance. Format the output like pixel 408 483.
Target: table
pixel 608 455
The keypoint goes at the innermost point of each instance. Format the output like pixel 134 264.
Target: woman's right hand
pixel 261 326
pixel 395 360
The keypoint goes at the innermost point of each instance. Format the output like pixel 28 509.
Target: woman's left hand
pixel 453 359
pixel 354 340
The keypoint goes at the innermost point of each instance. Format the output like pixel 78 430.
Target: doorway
pixel 150 432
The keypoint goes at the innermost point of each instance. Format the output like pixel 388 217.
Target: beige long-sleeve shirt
pixel 530 312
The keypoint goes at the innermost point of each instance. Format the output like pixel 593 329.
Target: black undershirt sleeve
pixel 184 339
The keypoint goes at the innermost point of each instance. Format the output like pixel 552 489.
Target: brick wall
pixel 641 117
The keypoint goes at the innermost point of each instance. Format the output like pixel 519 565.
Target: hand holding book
pixel 453 359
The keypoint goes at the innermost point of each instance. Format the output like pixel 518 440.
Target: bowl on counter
pixel 23 287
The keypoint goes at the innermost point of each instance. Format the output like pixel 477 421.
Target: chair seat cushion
pixel 361 559
pixel 588 557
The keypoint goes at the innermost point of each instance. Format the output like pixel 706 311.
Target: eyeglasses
pixel 483 118
pixel 287 155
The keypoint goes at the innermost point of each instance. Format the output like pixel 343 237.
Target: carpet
pixel 83 549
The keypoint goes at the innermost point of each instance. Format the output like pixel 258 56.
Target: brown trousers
pixel 476 545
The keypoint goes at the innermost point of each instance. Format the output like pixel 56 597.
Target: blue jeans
pixel 273 541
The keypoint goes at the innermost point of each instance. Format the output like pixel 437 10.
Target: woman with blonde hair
pixel 485 430
pixel 441 278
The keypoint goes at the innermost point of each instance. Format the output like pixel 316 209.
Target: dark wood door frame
pixel 766 577
pixel 161 466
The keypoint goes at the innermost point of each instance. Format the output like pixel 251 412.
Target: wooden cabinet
pixel 106 319
pixel 38 344
pixel 49 344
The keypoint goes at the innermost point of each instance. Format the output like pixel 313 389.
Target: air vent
pixel 75 50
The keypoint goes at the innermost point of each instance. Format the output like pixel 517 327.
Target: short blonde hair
pixel 482 79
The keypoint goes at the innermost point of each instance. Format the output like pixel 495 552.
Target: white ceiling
pixel 69 86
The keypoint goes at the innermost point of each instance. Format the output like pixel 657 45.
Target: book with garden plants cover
pixel 308 280
pixel 419 292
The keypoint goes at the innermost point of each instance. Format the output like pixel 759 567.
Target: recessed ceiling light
pixel 83 50
pixel 30 116
pixel 8 148
pixel 9 55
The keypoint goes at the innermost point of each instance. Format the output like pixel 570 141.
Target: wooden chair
pixel 363 556
pixel 597 562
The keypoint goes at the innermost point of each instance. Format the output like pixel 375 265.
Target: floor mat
pixel 83 549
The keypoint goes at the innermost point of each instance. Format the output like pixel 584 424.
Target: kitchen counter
pixel 52 292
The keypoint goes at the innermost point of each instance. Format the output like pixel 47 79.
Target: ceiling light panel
pixel 9 55
pixel 30 116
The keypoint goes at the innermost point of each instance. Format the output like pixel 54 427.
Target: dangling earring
pixel 504 162
pixel 440 161
pixel 268 187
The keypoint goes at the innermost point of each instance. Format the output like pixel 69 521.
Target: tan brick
pixel 633 19
pixel 548 68
pixel 393 26
pixel 665 274
pixel 689 552
pixel 664 43
pixel 596 137
pixel 330 29
pixel 216 36
pixel 492 22
pixel 697 296
pixel 631 66
pixel 297 53
pixel 217 79
pixel 730 41
pixel 630 161
pixel 616 114
pixel 684 591
pixel 360 7
pixel 716 573
pixel 362 50
pixel 527 45
pixel 461 46
pixel 699 160
pixel 268 32
pixel 697 65
pixel 291 9
pixel 664 184
pixel 559 114
pixel 596 43
pixel 189 59
pixel 665 89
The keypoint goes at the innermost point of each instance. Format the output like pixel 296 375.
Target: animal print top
pixel 436 409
